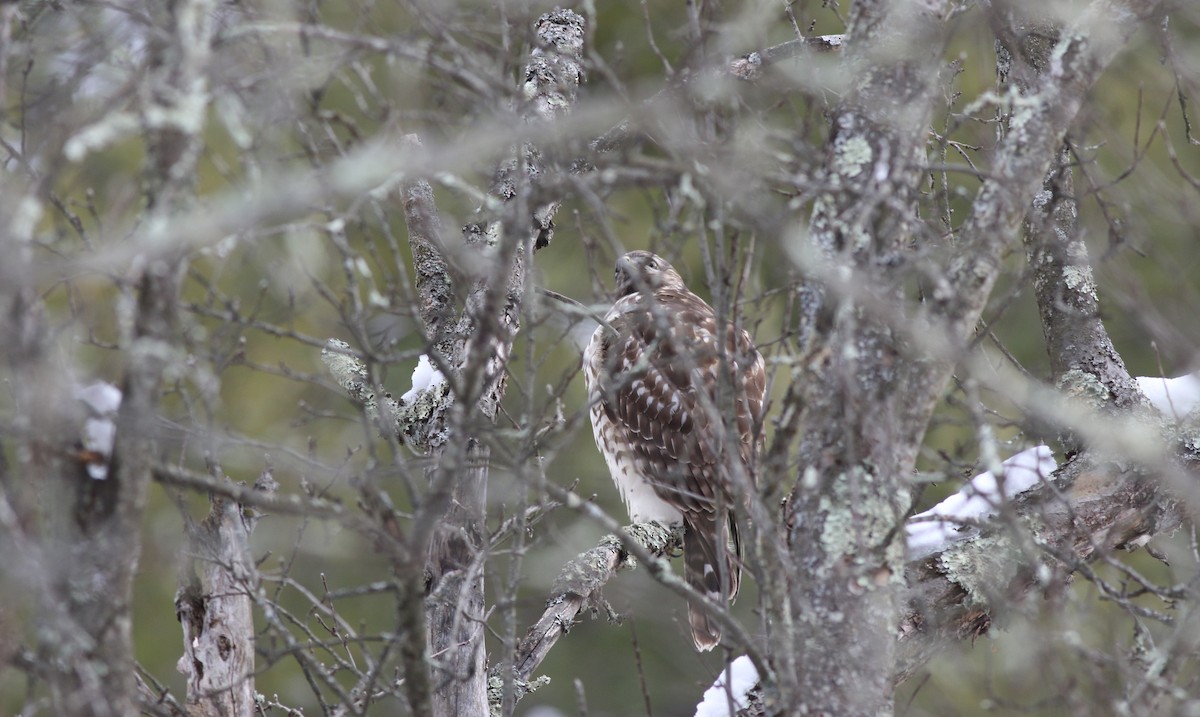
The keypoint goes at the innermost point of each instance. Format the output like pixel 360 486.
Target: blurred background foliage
pixel 262 303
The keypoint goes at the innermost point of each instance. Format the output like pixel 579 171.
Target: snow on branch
pixel 407 418
pixel 424 378
pixel 950 520
pixel 103 401
pixel 1173 397
pixel 980 499
pixel 731 689
pixel 956 519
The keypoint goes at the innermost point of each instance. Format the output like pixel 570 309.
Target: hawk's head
pixel 645 271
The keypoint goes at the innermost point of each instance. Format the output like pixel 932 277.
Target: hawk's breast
pixel 628 472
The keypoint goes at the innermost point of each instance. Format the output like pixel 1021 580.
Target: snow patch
pixel 424 377
pixel 104 399
pixel 1174 397
pixel 742 676
pixel 980 498
pixel 99 434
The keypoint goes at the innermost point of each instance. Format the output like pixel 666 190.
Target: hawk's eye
pixel 652 265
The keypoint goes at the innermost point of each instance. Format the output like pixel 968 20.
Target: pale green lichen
pixel 838 536
pixel 1077 250
pixel 348 371
pixel 983 567
pixel 858 519
pixel 495 691
pixel 588 571
pixel 421 407
pixel 853 156
pixel 655 537
pixel 1079 279
pixel 1085 387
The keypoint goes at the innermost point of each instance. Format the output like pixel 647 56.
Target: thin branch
pixel 747 68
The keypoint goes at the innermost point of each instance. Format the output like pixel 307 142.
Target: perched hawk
pixel 657 399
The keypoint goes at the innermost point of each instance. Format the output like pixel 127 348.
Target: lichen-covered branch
pixel 962 591
pixel 478 356
pixel 93 519
pixel 575 588
pixel 962 288
pixel 1076 340
pixel 407 419
pixel 1036 127
pixel 434 289
pixel 1082 355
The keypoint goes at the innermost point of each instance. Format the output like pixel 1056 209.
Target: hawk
pixel 659 375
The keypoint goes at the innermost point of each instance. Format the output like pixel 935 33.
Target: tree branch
pixel 1087 511
pixel 213 605
pixel 1035 133
pixel 747 68
pixel 577 585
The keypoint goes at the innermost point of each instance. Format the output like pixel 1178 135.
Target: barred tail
pixel 704 549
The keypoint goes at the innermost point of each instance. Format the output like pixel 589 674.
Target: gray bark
pixel 868 396
pixel 851 491
pixel 214 608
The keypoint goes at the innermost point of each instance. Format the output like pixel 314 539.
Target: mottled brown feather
pixel 655 385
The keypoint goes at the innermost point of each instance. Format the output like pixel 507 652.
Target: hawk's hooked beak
pixel 623 275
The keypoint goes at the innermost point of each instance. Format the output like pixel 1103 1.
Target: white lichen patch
pixel 853 155
pixel 1079 279
pixel 1073 43
pixel 1041 200
pixel 1022 114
